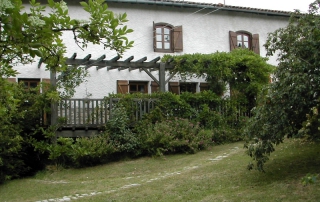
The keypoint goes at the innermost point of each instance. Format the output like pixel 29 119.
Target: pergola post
pixel 54 105
pixel 162 77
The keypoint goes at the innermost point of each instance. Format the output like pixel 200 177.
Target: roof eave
pixel 204 5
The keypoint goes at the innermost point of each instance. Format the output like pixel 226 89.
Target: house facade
pixel 165 27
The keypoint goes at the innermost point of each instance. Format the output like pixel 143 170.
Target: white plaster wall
pixel 202 33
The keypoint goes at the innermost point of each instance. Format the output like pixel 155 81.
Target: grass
pixel 218 174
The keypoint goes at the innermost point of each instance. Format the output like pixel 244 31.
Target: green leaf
pixel 35 45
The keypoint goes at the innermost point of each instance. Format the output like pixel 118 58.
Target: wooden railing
pixel 93 113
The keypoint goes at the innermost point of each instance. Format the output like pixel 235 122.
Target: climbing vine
pixel 241 70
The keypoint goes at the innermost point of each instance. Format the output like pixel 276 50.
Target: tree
pixel 27 36
pixel 291 106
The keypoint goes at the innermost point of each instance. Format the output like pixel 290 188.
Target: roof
pixel 220 6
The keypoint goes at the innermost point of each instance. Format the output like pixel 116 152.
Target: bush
pixel 78 152
pixel 210 119
pixel 225 135
pixel 89 151
pixel 12 164
pixel 120 135
pixel 174 136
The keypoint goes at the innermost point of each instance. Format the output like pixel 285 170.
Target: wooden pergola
pixel 115 63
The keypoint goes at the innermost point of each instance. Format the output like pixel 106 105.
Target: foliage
pixel 242 70
pixel 78 152
pixel 174 136
pixel 291 105
pixel 29 34
pixel 88 151
pixel 17 120
pixel 121 137
pixel 225 116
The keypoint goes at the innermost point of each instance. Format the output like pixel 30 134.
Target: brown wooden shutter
pixel 154 87
pixel 233 40
pixel 174 87
pixel 204 86
pixel 122 86
pixel 12 80
pixel 177 39
pixel 255 44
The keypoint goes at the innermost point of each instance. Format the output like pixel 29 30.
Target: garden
pixel 257 114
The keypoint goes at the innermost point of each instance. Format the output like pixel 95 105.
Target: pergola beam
pixel 98 60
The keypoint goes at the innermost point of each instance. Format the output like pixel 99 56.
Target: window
pixel 29 83
pixel 177 88
pixel 138 87
pixel 167 38
pixel 125 86
pixel 188 87
pixel 244 39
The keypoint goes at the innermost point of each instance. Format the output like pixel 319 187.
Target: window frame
pixel 28 87
pixel 243 34
pixel 163 26
pixel 189 87
pixel 137 84
pixel 253 40
pixel 175 37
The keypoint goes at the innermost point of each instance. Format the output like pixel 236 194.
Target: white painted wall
pixel 202 33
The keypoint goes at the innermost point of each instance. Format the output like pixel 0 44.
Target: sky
pixel 283 5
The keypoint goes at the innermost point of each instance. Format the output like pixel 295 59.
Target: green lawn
pixel 218 174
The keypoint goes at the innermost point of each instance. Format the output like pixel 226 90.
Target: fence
pixel 94 113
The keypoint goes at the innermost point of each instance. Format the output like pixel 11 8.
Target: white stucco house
pixel 167 27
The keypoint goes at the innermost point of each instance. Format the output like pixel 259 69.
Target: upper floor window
pixel 244 39
pixel 167 38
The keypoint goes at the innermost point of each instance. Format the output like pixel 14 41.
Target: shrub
pixel 174 136
pixel 224 135
pixel 60 151
pixel 120 135
pixel 210 119
pixel 78 152
pixel 89 151
pixel 11 156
